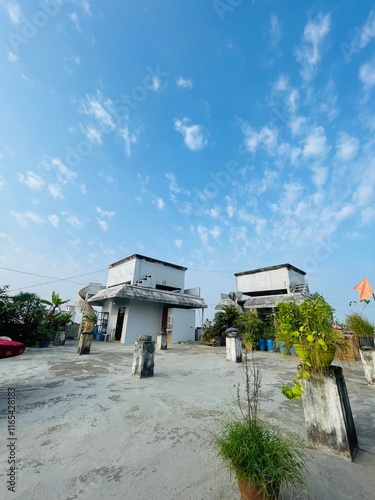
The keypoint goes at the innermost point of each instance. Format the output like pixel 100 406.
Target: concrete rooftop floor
pixel 87 429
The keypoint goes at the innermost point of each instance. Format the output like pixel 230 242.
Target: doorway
pixel 119 323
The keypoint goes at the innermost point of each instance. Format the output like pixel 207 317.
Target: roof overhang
pixel 271 301
pixel 132 292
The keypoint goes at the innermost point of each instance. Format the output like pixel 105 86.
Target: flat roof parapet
pixel 271 268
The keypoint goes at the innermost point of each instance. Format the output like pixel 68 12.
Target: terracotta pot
pixel 250 492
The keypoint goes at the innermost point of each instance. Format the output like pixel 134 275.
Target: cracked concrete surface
pixel 87 429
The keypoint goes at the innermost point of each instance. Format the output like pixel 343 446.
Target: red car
pixel 9 348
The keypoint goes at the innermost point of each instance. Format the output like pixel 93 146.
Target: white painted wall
pixel 183 324
pixel 136 269
pixel 274 279
pixel 141 318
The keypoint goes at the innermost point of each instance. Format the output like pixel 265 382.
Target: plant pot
pixel 44 343
pixel 262 344
pixel 270 345
pixel 250 492
pixel 325 357
pixel 248 346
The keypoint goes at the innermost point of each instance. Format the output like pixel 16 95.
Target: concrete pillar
pixel 328 414
pixel 60 336
pixel 84 343
pixel 143 359
pixel 162 340
pixel 368 361
pixel 233 346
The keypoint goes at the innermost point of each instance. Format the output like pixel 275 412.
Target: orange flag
pixel 364 289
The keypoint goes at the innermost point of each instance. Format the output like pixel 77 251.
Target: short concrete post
pixel 233 345
pixel 84 343
pixel 143 359
pixel 368 361
pixel 162 340
pixel 328 414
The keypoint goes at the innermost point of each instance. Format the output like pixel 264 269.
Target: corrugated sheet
pixel 149 295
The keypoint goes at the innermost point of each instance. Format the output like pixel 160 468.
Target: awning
pixel 271 301
pixel 149 295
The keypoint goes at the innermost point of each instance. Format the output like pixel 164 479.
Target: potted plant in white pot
pixel 262 459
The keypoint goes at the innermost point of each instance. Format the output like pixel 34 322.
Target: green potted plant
pixel 363 328
pixel 250 329
pixel 89 321
pixel 308 328
pixel 262 459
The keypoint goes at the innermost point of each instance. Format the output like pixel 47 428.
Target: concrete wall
pixel 136 269
pixel 141 318
pixel 274 279
pixel 183 324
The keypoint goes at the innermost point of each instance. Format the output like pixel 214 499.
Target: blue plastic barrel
pixel 262 344
pixel 270 345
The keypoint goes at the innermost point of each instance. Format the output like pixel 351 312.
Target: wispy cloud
pixel 54 220
pixel 193 135
pixel 103 224
pixel 178 243
pixel 55 191
pixel 14 11
pixel 24 218
pixel 129 138
pixel 105 213
pixel 32 180
pixel 265 137
pixel 316 144
pixel 12 57
pixel 346 146
pixel 100 108
pixel 159 204
pixel 309 52
pixel 74 220
pixel 184 83
pixel 93 135
pixel 367 74
pixel 362 37
pixel 275 30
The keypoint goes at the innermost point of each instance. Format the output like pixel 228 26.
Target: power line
pixel 53 278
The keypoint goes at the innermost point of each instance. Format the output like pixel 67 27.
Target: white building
pixel 144 295
pixel 264 288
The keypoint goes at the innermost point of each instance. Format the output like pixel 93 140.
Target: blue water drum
pixel 282 347
pixel 270 345
pixel 262 344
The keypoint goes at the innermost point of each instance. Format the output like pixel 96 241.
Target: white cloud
pixel 2 182
pixel 14 12
pixel 292 101
pixel 64 174
pixel 32 181
pixel 193 134
pixel 296 124
pixel 266 137
pixel 275 30
pixel 159 204
pixel 345 212
pixel 362 38
pixel 315 145
pixel 129 139
pixel 320 175
pixel 178 243
pixel 74 220
pixel 75 19
pixel 183 83
pixel 93 135
pixel 103 224
pixel 105 213
pixel 368 215
pixel 26 217
pixel 54 220
pixel 309 53
pixel 281 84
pixel 346 146
pixel 100 108
pixel 367 74
pixel 12 57
pixel 55 191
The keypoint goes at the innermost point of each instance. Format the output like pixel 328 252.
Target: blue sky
pixel 220 135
